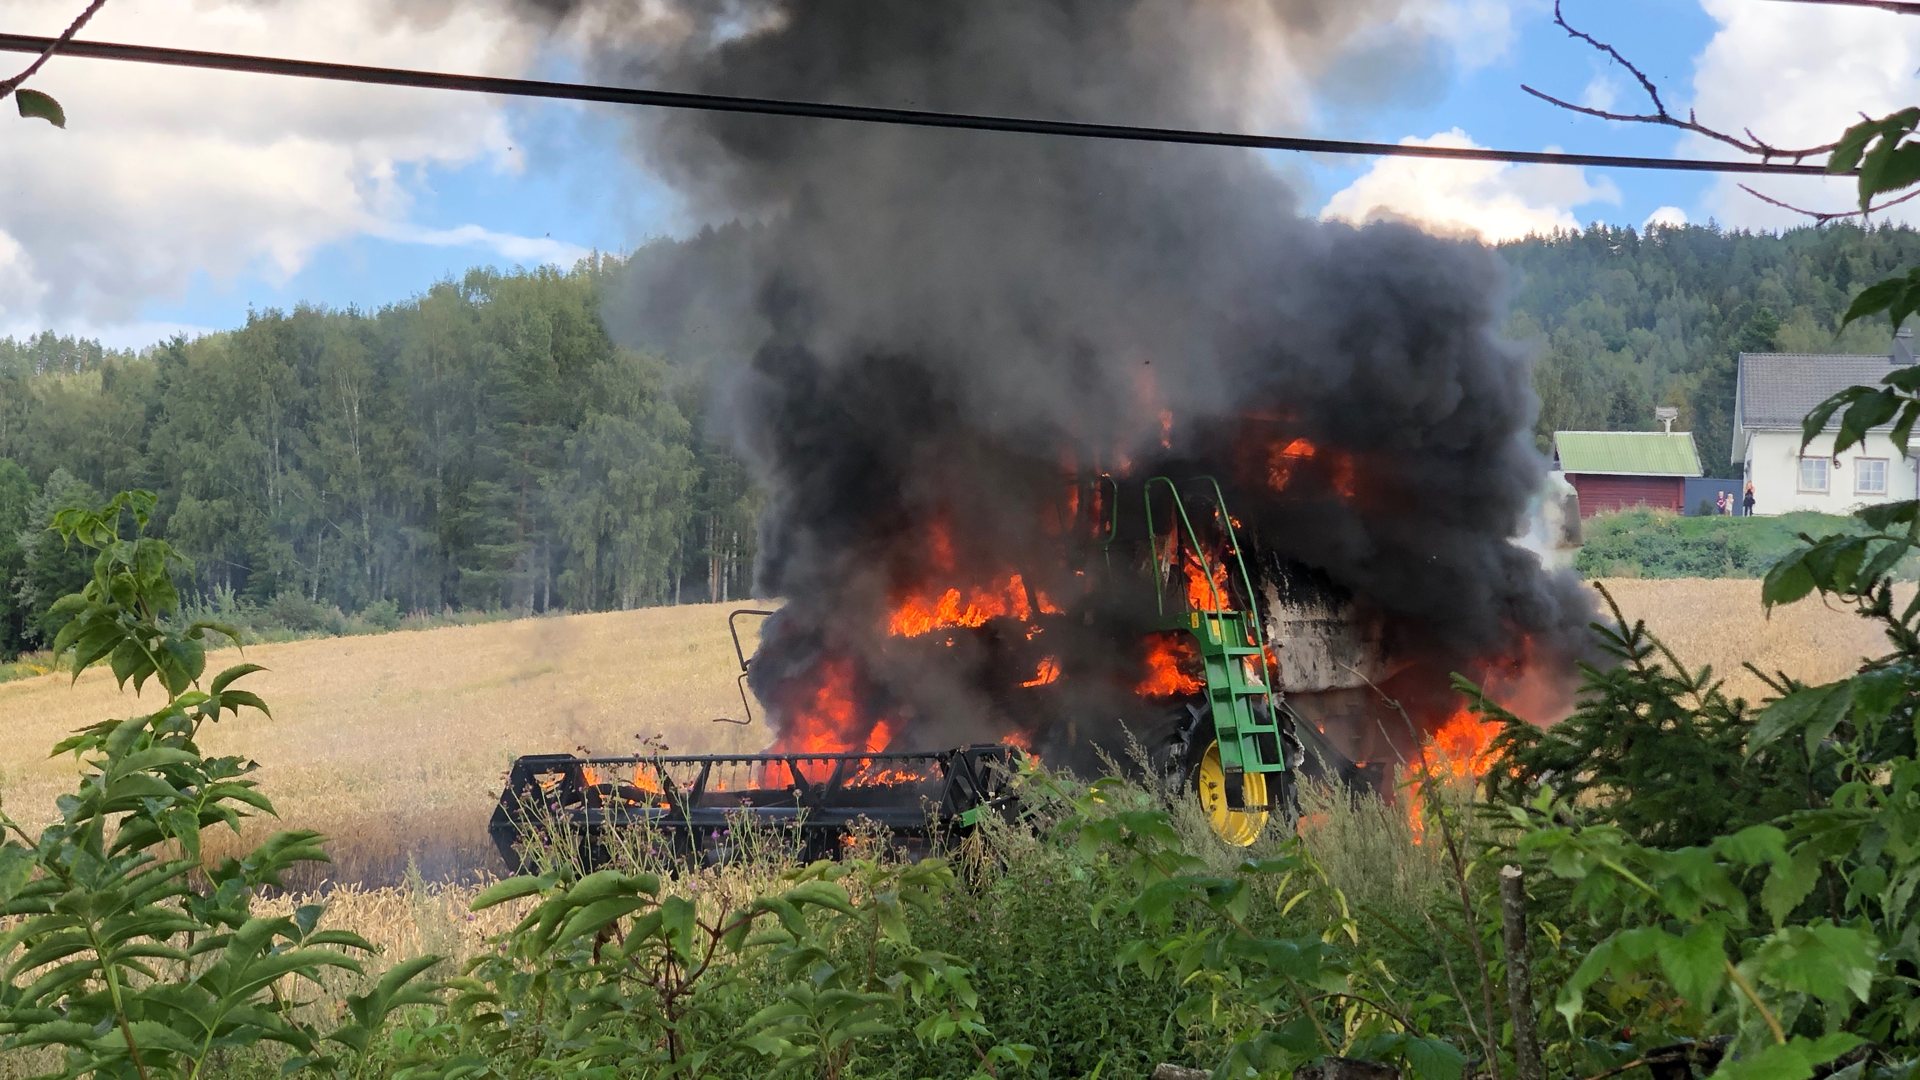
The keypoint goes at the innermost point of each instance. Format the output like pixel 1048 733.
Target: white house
pixel 1773 392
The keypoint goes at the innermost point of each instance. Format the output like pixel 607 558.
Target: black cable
pixel 480 84
pixel 1893 6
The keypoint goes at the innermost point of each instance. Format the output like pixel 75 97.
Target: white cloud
pixel 1602 92
pixel 1759 72
pixel 163 174
pixel 516 249
pixel 1484 199
pixel 1480 32
pixel 1671 216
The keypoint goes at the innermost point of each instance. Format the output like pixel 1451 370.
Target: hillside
pixel 396 745
pixel 542 441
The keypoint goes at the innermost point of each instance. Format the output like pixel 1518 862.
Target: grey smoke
pixel 947 316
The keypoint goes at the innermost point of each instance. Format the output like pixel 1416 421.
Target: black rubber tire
pixel 1183 741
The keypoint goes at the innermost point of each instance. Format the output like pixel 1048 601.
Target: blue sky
pixel 367 196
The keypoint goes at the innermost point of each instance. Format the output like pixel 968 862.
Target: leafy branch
pixel 32 103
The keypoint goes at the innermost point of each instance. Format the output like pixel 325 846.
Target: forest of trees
pixel 489 445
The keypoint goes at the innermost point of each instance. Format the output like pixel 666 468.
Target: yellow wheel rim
pixel 1237 827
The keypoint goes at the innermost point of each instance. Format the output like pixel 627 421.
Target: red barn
pixel 1613 470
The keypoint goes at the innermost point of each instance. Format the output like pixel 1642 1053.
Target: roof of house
pixel 1778 390
pixel 1627 453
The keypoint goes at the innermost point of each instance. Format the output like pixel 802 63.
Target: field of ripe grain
pixel 1720 622
pixel 395 746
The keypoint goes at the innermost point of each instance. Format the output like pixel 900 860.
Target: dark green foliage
pixel 49 566
pixel 126 953
pixel 298 614
pixel 16 501
pixel 1625 320
pixel 1656 544
pixel 486 446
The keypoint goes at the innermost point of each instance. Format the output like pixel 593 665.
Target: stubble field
pixel 395 746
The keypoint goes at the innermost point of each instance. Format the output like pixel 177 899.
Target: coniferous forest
pixel 548 440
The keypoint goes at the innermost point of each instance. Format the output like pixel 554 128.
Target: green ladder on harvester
pixel 1230 642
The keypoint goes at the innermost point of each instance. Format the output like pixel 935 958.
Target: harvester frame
pixel 812 801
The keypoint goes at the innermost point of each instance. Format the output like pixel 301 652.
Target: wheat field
pixel 396 746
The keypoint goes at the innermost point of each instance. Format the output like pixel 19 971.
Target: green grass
pixel 1660 544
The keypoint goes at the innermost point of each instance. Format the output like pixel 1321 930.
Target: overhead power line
pixel 619 95
pixel 1898 7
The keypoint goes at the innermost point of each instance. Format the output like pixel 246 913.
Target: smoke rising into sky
pixel 950 314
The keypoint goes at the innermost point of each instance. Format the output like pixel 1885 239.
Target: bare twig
pixel 10 85
pixel 1751 144
pixel 1821 217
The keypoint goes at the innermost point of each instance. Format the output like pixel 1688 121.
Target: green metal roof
pixel 1627 453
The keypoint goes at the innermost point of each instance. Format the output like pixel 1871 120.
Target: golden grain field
pixel 395 746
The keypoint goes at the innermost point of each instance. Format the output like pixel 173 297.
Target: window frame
pixel 1826 474
pixel 1885 478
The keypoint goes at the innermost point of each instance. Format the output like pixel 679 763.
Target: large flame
pixel 1461 749
pixel 829 720
pixel 1170 659
pixel 1207 583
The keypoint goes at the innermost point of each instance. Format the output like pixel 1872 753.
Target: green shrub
pixel 1660 544
pixel 288 610
pixel 381 615
pixel 127 956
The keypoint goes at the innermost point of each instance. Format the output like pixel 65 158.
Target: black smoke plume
pixel 955 321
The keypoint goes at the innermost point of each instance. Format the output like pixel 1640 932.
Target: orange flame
pixel 1462 749
pixel 1048 672
pixel 923 613
pixel 1284 461
pixel 1206 586
pixel 829 721
pixel 1170 658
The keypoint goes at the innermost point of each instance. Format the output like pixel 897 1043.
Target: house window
pixel 1870 476
pixel 1813 474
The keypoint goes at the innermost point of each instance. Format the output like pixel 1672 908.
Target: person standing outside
pixel 1746 501
pixel 1722 504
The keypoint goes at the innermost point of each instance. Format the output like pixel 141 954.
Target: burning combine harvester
pixel 1141 622
pixel 1068 444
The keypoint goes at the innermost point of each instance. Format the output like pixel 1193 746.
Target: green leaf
pixel 235 699
pixel 1869 411
pixel 1826 961
pixel 1874 298
pixel 1789 580
pixel 1846 154
pixel 1755 845
pixel 35 105
pixel 226 678
pixel 510 889
pixel 1696 964
pixel 1789 883
pixel 1804 709
pixel 1794 1059
pixel 1432 1059
pixel 16 869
